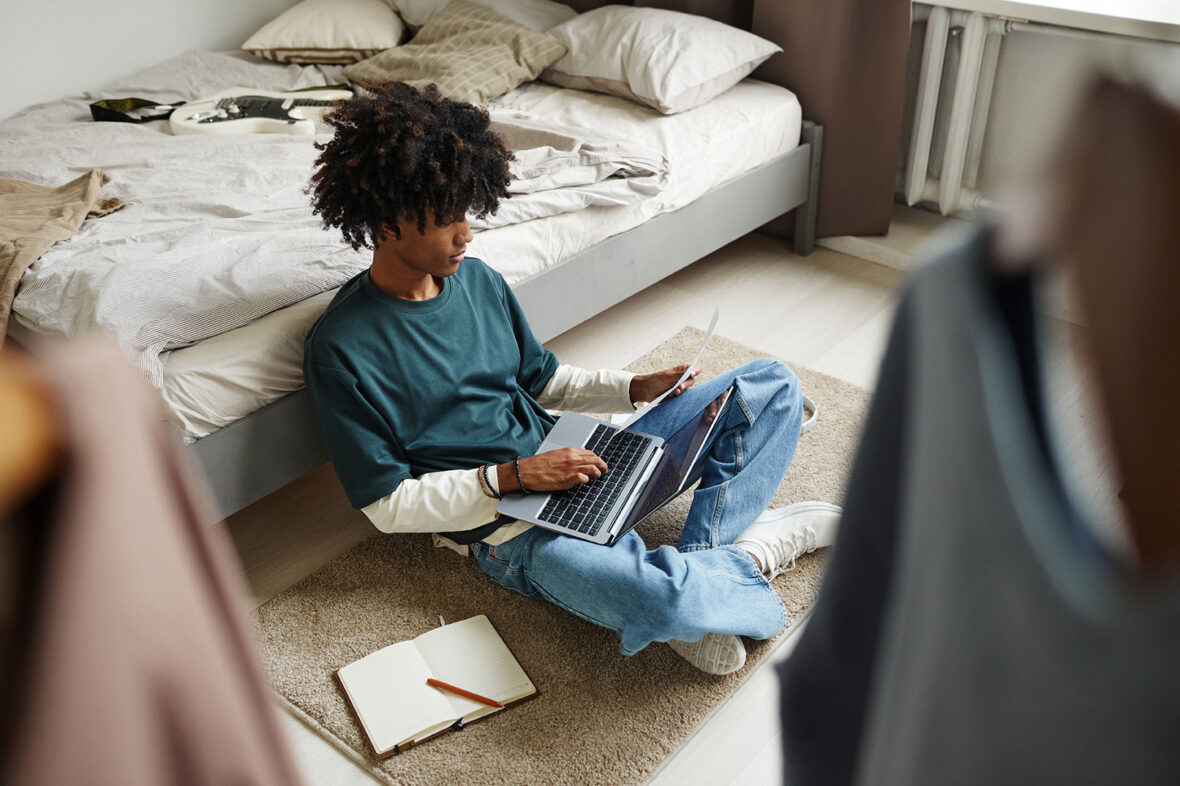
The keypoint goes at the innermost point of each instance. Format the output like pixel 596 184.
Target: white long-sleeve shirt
pixel 452 501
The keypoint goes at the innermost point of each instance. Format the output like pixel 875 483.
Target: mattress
pixel 226 376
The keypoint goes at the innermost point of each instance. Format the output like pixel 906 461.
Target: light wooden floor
pixel 829 312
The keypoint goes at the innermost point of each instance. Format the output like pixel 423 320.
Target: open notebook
pixel 396 707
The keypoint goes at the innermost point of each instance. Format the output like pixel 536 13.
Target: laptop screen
pixel 680 466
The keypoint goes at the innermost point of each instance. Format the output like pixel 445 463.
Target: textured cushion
pixel 665 59
pixel 539 15
pixel 471 53
pixel 328 31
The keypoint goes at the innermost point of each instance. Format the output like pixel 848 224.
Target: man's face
pixel 435 252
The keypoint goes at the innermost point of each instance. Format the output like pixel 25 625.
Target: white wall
pixel 1041 76
pixel 52 48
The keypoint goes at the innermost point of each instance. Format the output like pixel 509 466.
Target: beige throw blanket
pixel 33 218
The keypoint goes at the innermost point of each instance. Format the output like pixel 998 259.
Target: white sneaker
pixel 781 536
pixel 716 653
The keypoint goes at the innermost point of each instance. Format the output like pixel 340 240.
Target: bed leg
pixel 812 134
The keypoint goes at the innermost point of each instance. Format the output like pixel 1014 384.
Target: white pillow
pixel 668 60
pixel 328 31
pixel 539 15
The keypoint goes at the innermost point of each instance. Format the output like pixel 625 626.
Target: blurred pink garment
pixel 135 664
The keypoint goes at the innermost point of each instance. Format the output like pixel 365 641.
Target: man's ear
pixel 389 232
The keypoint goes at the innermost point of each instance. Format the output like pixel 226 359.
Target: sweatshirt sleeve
pixel 578 390
pixel 537 364
pixel 448 501
pixel 365 453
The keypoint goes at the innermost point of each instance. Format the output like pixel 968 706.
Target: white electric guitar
pixel 244 110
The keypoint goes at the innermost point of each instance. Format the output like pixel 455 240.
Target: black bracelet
pixel 519 482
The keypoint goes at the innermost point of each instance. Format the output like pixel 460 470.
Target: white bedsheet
pixel 218 230
pixel 226 377
pixel 235 240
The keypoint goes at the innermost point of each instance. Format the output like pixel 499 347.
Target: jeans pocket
pixel 503 569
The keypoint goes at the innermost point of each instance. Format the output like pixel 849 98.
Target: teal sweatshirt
pixel 401 388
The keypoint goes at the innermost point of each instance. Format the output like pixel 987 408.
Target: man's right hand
pixel 554 470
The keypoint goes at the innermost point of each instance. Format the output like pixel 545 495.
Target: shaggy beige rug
pixel 599 717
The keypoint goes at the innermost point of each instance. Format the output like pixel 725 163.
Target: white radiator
pixel 955 81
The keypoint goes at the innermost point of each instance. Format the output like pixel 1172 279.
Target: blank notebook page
pixel 388 690
pixel 471 655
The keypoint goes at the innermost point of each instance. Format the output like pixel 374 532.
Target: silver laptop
pixel 644 473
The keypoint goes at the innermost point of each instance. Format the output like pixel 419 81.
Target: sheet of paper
pixel 640 413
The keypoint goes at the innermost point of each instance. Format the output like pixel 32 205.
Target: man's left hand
pixel 646 387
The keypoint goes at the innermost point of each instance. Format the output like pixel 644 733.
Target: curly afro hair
pixel 402 154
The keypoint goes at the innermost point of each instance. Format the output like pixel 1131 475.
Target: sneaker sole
pixel 790 510
pixel 710 653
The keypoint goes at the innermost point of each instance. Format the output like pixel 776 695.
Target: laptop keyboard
pixel 584 507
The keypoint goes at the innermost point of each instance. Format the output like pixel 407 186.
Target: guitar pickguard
pixel 238 111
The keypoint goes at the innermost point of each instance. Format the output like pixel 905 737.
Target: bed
pixel 232 385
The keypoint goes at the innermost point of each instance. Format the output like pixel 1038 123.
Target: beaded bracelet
pixel 484 486
pixel 487 480
pixel 519 482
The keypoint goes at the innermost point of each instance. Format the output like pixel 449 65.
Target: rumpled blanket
pixel 34 217
pixel 560 169
pixel 221 230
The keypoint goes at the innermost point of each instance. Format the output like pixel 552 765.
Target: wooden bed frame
pixel 279 443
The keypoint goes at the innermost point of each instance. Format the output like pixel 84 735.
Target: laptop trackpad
pixel 569 432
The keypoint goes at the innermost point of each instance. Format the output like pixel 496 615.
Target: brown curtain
pixel 846 61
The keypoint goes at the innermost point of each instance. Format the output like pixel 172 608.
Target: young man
pixel 423 370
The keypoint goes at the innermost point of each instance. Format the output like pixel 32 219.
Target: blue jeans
pixel 707 585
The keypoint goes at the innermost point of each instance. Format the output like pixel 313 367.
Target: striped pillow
pixel 328 31
pixel 472 53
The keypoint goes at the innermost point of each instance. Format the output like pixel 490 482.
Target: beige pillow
pixel 668 60
pixel 328 31
pixel 472 53
pixel 539 15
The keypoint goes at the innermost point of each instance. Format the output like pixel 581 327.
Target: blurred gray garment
pixel 969 630
pixel 131 661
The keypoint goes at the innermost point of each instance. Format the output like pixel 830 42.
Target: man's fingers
pixel 591 458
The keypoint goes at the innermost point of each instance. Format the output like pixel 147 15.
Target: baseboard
pixel 913 236
pixel 906 243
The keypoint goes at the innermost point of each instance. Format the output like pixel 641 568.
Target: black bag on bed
pixel 131 110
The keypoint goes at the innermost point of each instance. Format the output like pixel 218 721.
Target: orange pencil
pixel 464 693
